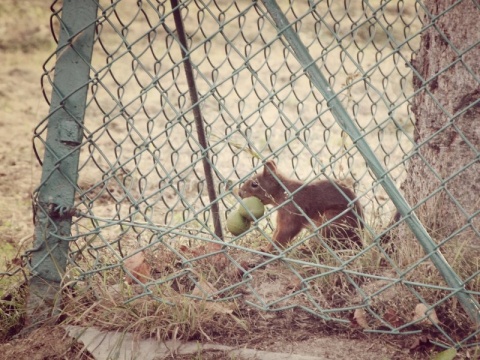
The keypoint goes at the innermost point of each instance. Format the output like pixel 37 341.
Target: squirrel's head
pixel 264 186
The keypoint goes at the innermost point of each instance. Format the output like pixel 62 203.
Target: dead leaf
pixel 212 247
pixel 221 308
pixel 203 289
pixel 425 315
pixel 393 318
pixel 294 285
pixel 218 308
pixel 419 341
pixel 360 316
pixel 448 354
pixel 138 269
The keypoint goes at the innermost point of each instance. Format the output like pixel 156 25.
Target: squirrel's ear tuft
pixel 270 167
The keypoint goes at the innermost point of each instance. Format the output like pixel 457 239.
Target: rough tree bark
pixel 447 108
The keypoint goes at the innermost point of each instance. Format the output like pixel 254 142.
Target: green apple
pixel 236 223
pixel 254 206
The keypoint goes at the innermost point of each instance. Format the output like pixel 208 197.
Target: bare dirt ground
pixel 23 48
pixel 25 43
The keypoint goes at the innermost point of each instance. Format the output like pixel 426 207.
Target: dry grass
pixel 188 319
pixel 173 305
pixel 309 276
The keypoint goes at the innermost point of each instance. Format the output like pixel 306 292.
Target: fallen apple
pixel 236 223
pixel 255 208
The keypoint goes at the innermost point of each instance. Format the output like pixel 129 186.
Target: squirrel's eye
pixel 254 184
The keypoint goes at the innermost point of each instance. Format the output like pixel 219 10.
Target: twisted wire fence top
pixel 141 185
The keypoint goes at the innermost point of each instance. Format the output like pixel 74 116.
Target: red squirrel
pixel 320 200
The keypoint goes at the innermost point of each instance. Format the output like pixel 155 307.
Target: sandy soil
pixel 24 46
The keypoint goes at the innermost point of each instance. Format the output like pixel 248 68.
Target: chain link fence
pixel 172 127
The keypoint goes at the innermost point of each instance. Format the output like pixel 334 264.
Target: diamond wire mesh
pixel 141 184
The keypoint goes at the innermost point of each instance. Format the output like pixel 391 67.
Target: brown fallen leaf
pixel 203 289
pixel 393 318
pixel 138 269
pixel 295 284
pixel 425 314
pixel 218 308
pixel 419 341
pixel 360 317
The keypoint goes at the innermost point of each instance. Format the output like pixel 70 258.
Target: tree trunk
pixel 443 174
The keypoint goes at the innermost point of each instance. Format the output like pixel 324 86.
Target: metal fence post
pixel 55 195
